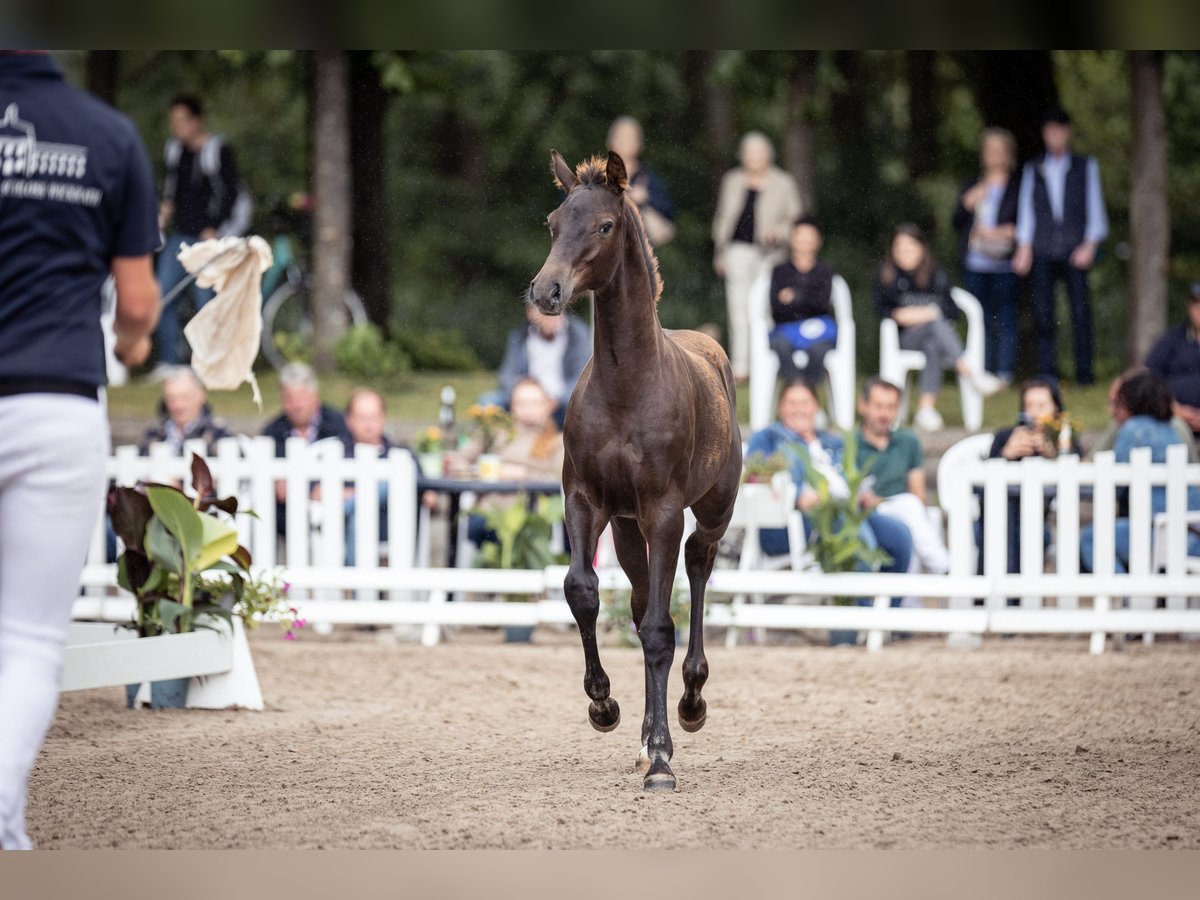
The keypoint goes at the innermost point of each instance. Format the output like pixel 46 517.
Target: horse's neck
pixel 628 337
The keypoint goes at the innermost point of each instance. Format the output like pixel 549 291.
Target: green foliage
pixel 437 350
pixel 182 561
pixel 617 611
pixel 836 521
pixel 759 467
pixel 363 353
pixel 522 534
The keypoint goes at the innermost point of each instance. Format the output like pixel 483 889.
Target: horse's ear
pixel 614 173
pixel 564 177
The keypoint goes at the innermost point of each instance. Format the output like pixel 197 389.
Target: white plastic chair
pixel 895 364
pixel 972 448
pixel 764 364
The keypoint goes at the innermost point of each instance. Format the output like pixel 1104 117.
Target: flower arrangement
pixel 491 423
pixel 431 440
pixel 837 544
pixel 759 468
pixel 182 560
pixel 1060 431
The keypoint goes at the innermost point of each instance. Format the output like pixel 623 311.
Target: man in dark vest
pixel 1060 222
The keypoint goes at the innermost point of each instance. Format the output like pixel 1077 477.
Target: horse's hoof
pixel 659 778
pixel 605 715
pixel 643 760
pixel 694 723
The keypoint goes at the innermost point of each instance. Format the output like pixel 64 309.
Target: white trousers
pixel 52 481
pixel 928 548
pixel 743 264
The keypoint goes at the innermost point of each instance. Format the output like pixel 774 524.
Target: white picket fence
pixel 385 587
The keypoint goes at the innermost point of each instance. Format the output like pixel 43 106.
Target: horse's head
pixel 586 232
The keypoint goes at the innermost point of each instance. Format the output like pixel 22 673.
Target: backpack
pixel 209 159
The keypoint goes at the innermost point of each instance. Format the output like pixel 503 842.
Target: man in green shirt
pixel 897 475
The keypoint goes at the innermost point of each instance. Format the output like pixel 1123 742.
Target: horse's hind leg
pixel 631 554
pixel 584 524
pixel 698 557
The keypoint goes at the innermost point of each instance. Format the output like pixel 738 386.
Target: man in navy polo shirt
pixel 76 205
pixel 1061 221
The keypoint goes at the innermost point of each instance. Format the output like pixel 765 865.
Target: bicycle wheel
pixel 287 328
pixel 287 334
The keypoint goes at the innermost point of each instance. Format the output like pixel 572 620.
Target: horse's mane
pixel 594 171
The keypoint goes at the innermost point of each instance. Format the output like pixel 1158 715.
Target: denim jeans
pixel 1042 277
pixel 997 293
pixel 170 273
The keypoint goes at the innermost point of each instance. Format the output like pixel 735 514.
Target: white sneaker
pixel 928 419
pixel 988 384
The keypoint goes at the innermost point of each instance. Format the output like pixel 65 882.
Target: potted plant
pixel 759 468
pixel 523 536
pixel 184 566
pixel 431 450
pixel 491 424
pixel 836 522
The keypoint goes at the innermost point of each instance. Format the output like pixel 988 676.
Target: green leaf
pixel 180 519
pixel 168 612
pixel 242 557
pixel 163 548
pixel 218 539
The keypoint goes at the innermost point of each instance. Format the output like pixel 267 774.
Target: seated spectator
pixel 802 306
pixel 897 474
pixel 184 415
pixel 552 350
pixel 534 452
pixel 797 425
pixel 1108 440
pixel 914 290
pixel 1143 409
pixel 1176 360
pixel 1040 401
pixel 305 416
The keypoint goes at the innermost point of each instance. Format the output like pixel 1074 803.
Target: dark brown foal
pixel 651 429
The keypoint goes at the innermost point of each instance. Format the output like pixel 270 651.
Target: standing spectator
pixel 1143 409
pixel 914 290
pixel 1040 401
pixel 986 222
pixel 897 473
pixel 203 198
pixel 756 206
pixel 1060 222
pixel 184 415
pixel 796 425
pixel 63 229
pixel 646 189
pixel 1176 360
pixel 304 416
pixel 552 350
pixel 802 306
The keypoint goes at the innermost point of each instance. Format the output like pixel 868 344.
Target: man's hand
pixel 1189 414
pixel 208 234
pixel 868 500
pixel 132 353
pixel 719 268
pixel 1084 255
pixel 1022 260
pixel 973 195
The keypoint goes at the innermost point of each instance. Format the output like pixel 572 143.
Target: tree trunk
pixel 718 117
pixel 1013 89
pixel 922 113
pixel 372 250
pixel 799 152
pixel 102 69
pixel 1149 219
pixel 331 190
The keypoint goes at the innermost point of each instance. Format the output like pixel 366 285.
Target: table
pixel 454 488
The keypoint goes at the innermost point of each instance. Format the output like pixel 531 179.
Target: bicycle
pixel 288 330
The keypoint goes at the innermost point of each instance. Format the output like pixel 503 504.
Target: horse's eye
pixel 606 228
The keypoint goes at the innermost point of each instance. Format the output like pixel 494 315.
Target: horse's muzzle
pixel 549 297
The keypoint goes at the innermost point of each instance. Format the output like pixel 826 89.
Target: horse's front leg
pixel 584 524
pixel 657 633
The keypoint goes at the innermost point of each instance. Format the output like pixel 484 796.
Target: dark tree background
pixel 446 183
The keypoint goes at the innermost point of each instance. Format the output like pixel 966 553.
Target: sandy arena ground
pixel 1025 743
